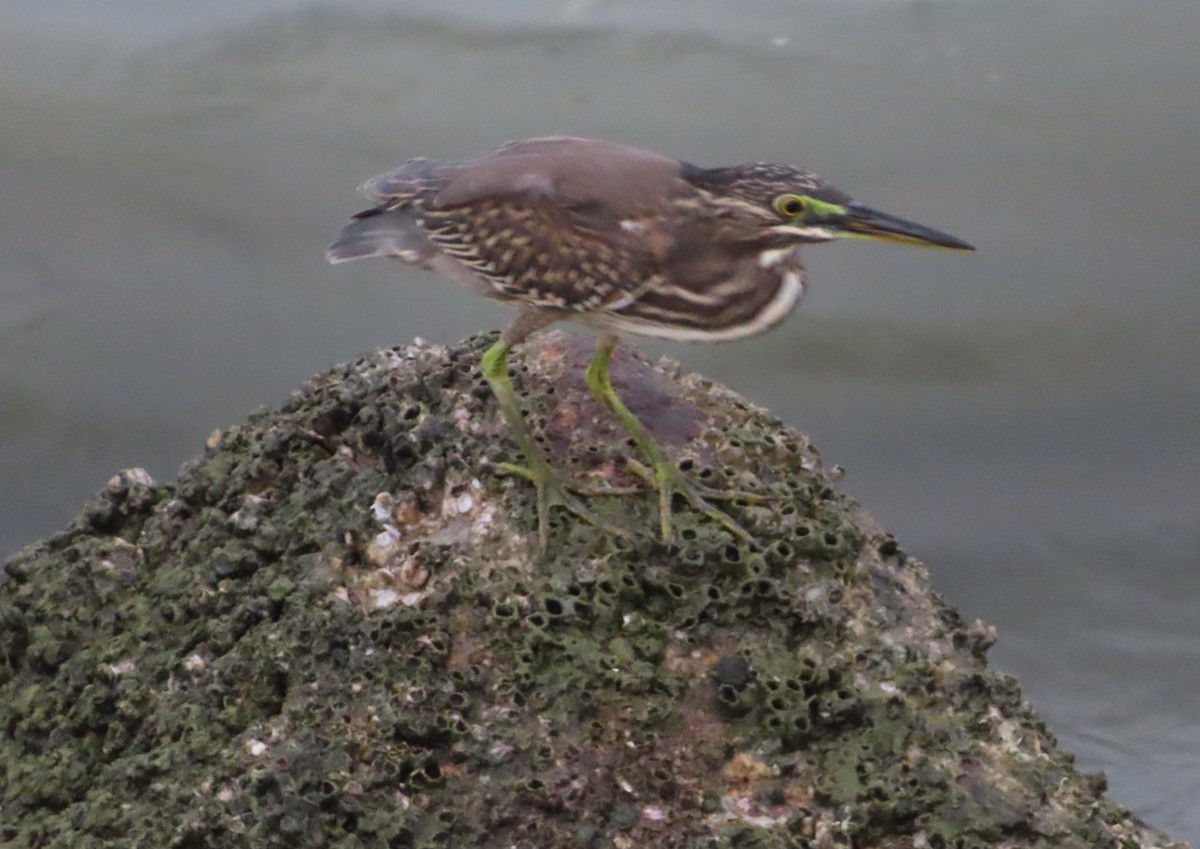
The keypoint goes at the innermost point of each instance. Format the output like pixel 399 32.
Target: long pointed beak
pixel 866 223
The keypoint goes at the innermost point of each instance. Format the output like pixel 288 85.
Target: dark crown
pixel 761 182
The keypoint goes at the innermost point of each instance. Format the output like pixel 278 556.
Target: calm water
pixel 1027 419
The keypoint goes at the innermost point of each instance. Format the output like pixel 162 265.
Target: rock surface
pixel 335 629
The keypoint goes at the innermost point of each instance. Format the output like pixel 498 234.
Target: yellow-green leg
pixel 668 478
pixel 553 489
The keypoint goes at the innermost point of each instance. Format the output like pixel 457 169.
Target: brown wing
pixel 535 250
pixel 620 179
pixel 563 223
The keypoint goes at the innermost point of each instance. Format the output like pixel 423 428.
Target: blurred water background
pixel 1025 419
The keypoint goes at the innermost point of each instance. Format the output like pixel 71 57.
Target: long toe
pixel 670 481
pixel 556 490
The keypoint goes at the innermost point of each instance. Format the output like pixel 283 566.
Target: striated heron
pixel 619 239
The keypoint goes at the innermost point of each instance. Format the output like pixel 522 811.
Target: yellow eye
pixel 789 206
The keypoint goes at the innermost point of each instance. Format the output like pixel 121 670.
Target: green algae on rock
pixel 335 629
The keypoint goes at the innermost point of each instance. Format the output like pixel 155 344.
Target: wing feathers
pixel 620 179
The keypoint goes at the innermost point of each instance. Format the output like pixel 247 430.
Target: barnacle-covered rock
pixel 335 628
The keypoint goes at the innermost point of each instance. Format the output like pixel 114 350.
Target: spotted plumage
pixel 620 239
pixel 635 242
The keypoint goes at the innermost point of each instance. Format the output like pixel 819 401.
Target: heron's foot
pixel 670 480
pixel 557 490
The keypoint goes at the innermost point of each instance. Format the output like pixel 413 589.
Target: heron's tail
pixel 380 232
